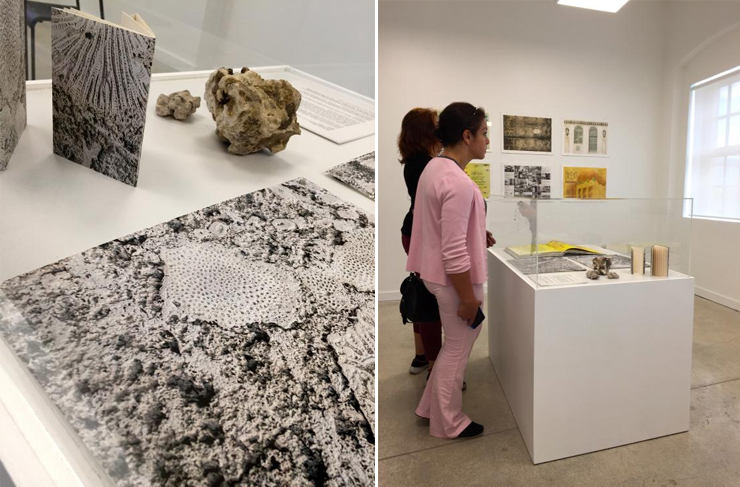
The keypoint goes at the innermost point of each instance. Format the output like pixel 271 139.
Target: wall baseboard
pixel 717 298
pixel 389 296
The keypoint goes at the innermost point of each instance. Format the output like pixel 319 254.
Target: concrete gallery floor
pixel 708 455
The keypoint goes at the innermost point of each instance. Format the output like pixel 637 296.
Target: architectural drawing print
pixel 581 138
pixel 584 182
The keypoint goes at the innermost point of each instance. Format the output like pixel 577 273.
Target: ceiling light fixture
pixel 603 5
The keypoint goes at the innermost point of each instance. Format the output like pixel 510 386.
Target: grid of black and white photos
pixel 527 181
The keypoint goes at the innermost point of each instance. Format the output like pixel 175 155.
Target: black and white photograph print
pixel 358 174
pixel 12 77
pixel 526 181
pixel 581 138
pixel 545 265
pixel 529 135
pixel 100 87
pixel 230 346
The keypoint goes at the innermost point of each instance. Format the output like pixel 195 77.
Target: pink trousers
pixel 442 399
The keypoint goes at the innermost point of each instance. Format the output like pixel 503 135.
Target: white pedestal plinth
pixel 591 366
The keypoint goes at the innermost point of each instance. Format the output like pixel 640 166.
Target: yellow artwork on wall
pixel 480 173
pixel 584 182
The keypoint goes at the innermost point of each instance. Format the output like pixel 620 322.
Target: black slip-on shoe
pixel 473 430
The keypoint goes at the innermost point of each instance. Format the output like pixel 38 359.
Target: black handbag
pixel 417 303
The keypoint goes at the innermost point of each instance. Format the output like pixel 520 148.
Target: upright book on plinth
pixel 12 77
pixel 100 80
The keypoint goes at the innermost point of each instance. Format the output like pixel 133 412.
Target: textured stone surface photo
pixel 252 113
pixel 358 173
pixel 12 78
pixel 180 104
pixel 233 346
pixel 100 88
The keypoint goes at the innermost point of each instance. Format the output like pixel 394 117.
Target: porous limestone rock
pixel 180 104
pixel 252 113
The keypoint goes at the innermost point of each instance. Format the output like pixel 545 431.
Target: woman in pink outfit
pixel 448 250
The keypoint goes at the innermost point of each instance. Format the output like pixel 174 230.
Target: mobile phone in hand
pixel 479 317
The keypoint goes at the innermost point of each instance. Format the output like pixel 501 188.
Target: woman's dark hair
pixel 455 119
pixel 417 133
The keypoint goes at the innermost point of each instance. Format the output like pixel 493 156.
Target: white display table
pixel 591 366
pixel 51 208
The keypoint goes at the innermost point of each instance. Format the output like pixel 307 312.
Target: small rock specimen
pixel 180 104
pixel 252 113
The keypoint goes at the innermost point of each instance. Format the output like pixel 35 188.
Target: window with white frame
pixel 713 153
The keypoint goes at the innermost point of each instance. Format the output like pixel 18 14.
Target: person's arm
pixel 455 212
pixel 468 302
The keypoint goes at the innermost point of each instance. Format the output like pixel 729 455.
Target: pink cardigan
pixel 449 231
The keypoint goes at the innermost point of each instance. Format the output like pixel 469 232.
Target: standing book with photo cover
pixel 659 260
pixel 100 86
pixel 12 78
pixel 638 260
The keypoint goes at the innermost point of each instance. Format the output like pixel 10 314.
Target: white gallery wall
pixel 703 40
pixel 538 58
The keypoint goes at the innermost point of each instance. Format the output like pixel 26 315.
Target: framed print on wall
pixel 582 138
pixel 527 181
pixel 584 182
pixel 526 135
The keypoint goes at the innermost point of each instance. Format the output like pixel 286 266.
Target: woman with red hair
pixel 417 145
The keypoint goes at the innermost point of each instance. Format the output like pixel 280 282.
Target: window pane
pixel 732 171
pixel 734 138
pixel 723 100
pixel 735 97
pixel 732 203
pixel 717 172
pixel 714 208
pixel 721 132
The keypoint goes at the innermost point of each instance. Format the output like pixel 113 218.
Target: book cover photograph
pixel 100 86
pixel 12 78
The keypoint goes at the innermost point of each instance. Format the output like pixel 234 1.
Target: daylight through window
pixel 713 153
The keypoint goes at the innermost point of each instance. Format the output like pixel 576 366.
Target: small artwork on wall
pixel 584 182
pixel 529 135
pixel 527 181
pixel 581 138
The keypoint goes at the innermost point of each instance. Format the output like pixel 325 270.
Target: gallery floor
pixel 708 455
